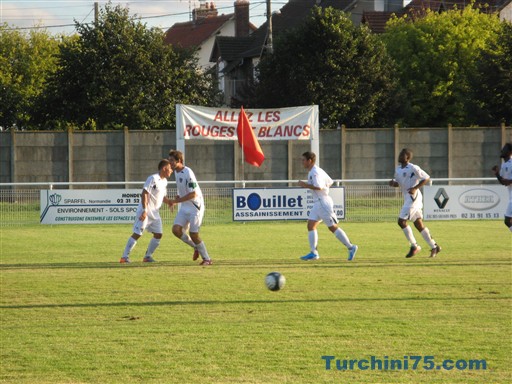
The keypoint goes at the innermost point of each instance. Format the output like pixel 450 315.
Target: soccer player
pixel 504 175
pixel 191 212
pixel 410 178
pixel 323 208
pixel 154 193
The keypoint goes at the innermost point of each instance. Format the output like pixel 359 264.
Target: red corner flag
pixel 248 141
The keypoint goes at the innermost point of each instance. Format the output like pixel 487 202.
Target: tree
pixel 26 61
pixel 330 62
pixel 437 56
pixel 492 86
pixel 117 73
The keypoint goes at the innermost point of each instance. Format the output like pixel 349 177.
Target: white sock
pixel 426 235
pixel 409 235
pixel 187 240
pixel 153 245
pixel 129 246
pixel 313 241
pixel 201 247
pixel 342 236
pixel 510 229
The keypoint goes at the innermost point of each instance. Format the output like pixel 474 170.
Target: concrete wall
pixel 345 154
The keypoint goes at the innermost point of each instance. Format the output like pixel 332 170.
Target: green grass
pixel 70 313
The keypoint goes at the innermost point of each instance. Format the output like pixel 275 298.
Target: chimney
pixel 205 10
pixel 241 18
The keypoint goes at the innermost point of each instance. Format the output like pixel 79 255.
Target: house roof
pixel 289 16
pixel 376 20
pixel 439 5
pixel 295 11
pixel 193 33
pixel 231 48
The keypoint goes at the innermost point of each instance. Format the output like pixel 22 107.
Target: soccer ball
pixel 275 281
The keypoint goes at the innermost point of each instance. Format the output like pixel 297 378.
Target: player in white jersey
pixel 154 193
pixel 191 211
pixel 410 178
pixel 323 208
pixel 504 175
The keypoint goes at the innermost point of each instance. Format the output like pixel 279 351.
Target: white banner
pixel 296 123
pixel 472 202
pixel 257 204
pixel 83 206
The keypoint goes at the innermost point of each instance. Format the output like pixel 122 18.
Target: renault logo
pixel 441 198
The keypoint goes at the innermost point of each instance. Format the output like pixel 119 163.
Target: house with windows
pixel 206 24
pixel 236 58
pixel 233 47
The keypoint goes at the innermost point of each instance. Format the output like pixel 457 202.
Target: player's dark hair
pixel 506 151
pixel 309 156
pixel 176 155
pixel 163 163
pixel 408 153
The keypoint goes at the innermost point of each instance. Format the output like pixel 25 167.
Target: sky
pixel 58 16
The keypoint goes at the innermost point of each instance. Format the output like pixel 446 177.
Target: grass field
pixel 70 313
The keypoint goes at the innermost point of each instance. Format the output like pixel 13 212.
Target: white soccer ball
pixel 275 281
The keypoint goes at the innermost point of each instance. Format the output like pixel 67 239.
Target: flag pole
pixel 243 152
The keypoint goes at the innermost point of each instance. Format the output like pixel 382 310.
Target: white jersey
pixel 408 177
pixel 186 183
pixel 320 179
pixel 506 173
pixel 156 187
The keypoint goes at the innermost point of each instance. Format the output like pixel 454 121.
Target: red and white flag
pixel 248 141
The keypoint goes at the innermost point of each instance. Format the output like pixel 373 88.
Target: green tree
pixel 492 87
pixel 26 61
pixel 118 73
pixel 437 56
pixel 330 62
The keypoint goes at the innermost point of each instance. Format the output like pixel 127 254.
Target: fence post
pixel 13 156
pixel 449 158
pixel 397 142
pixel 126 155
pixel 343 150
pixel 290 161
pixel 71 157
pixel 503 134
